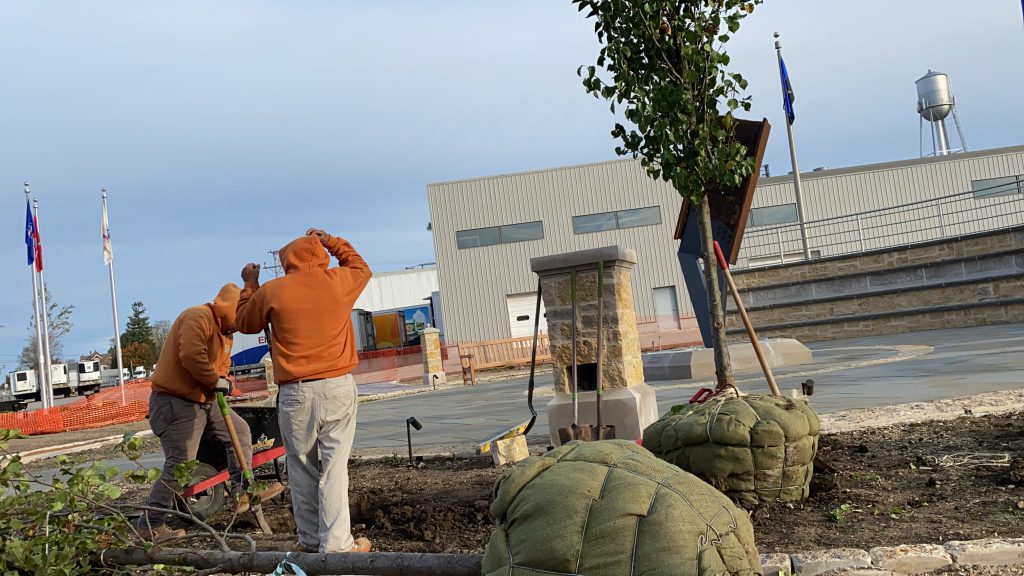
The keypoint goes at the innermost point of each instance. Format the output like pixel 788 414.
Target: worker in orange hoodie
pixel 193 367
pixel 314 352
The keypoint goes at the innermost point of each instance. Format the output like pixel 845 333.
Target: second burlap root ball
pixel 753 448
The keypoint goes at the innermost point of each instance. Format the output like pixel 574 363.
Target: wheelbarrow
pixel 205 496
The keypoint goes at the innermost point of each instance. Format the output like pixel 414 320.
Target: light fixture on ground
pixel 410 423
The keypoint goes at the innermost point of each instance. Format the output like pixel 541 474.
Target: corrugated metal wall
pixel 474 282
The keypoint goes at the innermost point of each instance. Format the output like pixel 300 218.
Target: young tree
pixel 138 331
pixel 664 64
pixel 59 322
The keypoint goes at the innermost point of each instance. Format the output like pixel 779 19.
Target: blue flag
pixel 30 233
pixel 787 92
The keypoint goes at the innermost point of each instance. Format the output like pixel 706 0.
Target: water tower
pixel 935 101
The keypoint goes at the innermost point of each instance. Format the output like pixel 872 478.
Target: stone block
pixel 987 552
pixel 840 287
pixel 910 559
pixel 509 450
pixel 895 278
pixel 820 561
pixel 776 564
pixel 990 266
pixel 630 410
pixel 699 363
pixel 944 272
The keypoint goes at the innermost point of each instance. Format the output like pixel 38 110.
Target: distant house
pixel 103 359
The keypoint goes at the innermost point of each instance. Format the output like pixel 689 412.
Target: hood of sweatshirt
pixel 303 254
pixel 224 307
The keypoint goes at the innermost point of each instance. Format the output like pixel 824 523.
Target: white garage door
pixel 520 314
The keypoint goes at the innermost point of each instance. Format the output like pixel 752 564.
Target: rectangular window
pixel 997 186
pixel 593 223
pixel 588 223
pixel 639 217
pixel 522 232
pixel 770 215
pixel 478 237
pixel 506 234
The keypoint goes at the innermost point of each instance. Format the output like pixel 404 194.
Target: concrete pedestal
pixel 630 410
pixel 699 363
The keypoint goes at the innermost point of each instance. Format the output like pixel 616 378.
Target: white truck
pixel 59 380
pixel 23 385
pixel 89 377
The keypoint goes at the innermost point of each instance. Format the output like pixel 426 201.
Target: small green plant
pixel 839 513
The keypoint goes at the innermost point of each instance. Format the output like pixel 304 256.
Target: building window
pixel 588 223
pixel 770 215
pixel 998 186
pixel 500 235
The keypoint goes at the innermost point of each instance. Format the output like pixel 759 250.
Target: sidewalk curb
pixel 73 447
pixel 903 559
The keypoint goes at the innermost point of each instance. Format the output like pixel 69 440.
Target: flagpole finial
pixel 35 203
pixel 104 191
pixel 778 43
pixel 26 188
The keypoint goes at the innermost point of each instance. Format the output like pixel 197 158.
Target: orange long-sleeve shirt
pixel 309 309
pixel 197 352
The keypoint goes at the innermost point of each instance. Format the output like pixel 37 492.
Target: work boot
pixel 361 545
pixel 161 533
pixel 272 490
pixel 298 547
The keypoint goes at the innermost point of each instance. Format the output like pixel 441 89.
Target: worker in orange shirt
pixel 314 353
pixel 193 368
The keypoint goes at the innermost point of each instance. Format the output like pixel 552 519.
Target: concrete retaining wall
pixel 969 281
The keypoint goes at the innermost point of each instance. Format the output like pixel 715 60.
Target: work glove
pixel 224 386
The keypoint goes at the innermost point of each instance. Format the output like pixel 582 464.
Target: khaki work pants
pixel 318 424
pixel 180 424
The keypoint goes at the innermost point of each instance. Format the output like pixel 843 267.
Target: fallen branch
pixel 372 564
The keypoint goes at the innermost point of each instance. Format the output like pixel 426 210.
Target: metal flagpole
pixel 792 155
pixel 47 391
pixel 35 308
pixel 108 257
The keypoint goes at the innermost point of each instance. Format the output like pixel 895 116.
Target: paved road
pixel 856 373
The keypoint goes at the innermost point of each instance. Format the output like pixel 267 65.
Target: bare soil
pixel 932 482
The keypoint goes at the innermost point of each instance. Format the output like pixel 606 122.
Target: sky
pixel 224 129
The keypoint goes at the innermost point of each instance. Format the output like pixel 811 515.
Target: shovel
pixel 574 432
pixel 603 432
pixel 246 471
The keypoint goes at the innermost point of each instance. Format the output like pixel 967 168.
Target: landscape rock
pixel 776 564
pixel 989 551
pixel 821 561
pixel 911 559
pixel 509 450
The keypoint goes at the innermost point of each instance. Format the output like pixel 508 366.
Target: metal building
pixel 486 230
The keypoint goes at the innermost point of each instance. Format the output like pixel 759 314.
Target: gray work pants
pixel 318 423
pixel 180 425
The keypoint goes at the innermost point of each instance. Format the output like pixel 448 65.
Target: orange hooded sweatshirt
pixel 309 309
pixel 198 349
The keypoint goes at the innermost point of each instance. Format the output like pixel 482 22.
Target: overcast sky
pixel 224 129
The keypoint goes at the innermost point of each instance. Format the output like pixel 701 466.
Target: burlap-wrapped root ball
pixel 611 508
pixel 753 448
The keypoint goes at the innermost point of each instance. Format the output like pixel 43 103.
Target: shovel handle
pixel 746 321
pixel 225 410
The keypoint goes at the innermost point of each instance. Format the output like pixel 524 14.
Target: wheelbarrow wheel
pixel 208 502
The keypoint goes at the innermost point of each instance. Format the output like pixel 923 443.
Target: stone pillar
pixel 433 365
pixel 628 403
pixel 268 369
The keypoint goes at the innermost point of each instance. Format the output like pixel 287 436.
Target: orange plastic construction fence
pixel 106 407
